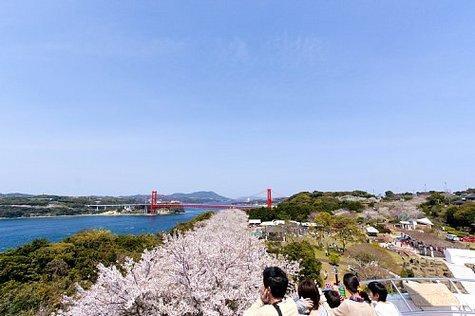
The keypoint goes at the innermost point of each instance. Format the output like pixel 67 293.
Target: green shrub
pixel 34 277
pixel 334 259
pixel 305 254
pixel 407 273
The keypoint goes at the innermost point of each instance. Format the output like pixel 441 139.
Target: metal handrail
pixel 418 278
pixel 432 312
pixel 461 308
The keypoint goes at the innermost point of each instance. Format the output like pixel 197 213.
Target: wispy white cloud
pixel 239 50
pixel 121 48
pixel 280 51
pixel 296 51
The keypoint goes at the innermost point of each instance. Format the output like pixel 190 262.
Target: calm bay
pixel 18 231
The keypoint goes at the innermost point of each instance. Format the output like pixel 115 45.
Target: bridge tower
pixel 153 201
pixel 269 198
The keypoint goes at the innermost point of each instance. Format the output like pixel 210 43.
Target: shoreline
pixel 176 224
pixel 81 215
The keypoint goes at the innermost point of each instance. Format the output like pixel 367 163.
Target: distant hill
pixel 25 205
pixel 193 197
pixel 14 195
pixel 197 197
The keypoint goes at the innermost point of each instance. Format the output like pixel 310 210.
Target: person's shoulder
pixel 321 311
pixel 289 306
pixel 343 309
pixel 386 307
pixel 346 302
pixel 352 304
pixel 260 309
pixel 360 306
pixel 267 310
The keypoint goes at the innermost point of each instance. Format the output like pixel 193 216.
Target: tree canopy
pixel 300 206
pixel 34 277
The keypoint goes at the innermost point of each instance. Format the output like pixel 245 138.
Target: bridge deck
pixel 184 205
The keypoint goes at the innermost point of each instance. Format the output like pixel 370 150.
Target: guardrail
pixel 456 310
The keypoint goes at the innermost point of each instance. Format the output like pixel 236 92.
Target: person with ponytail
pixel 355 305
pixel 308 292
pixel 381 306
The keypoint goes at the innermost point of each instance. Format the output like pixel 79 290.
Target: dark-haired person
pixel 355 305
pixel 365 297
pixel 379 294
pixel 333 298
pixel 308 290
pixel 271 302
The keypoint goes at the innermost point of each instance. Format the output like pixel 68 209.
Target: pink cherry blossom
pixel 213 270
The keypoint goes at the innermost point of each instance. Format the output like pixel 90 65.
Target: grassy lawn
pixel 387 259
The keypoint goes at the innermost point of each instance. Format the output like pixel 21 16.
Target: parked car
pixel 468 239
pixel 452 237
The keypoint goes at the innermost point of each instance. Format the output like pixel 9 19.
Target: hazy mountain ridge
pixel 26 205
pixel 13 195
pixel 199 196
pixel 193 197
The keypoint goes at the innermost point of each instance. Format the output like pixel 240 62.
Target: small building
pixel 310 228
pixel 275 222
pixel 409 225
pixel 274 233
pixel 258 232
pixel 371 231
pixel 254 222
pixel 294 228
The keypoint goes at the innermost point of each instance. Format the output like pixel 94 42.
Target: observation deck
pixel 431 296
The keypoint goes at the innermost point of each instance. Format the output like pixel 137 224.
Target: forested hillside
pixel 299 206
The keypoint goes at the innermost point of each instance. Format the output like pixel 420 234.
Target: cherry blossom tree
pixel 213 270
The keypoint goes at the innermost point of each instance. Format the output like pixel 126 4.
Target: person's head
pixel 365 296
pixel 351 282
pixel 275 281
pixel 378 291
pixel 308 289
pixel 333 298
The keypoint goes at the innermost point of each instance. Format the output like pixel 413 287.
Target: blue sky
pixel 110 97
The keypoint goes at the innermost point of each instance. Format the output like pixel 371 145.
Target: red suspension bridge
pixel 155 204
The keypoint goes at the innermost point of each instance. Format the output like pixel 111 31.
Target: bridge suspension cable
pixel 154 204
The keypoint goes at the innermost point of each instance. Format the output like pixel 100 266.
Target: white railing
pixel 406 307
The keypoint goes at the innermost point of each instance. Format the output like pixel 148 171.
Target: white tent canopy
pixel 425 221
pixel 271 223
pixel 372 230
pixel 308 224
